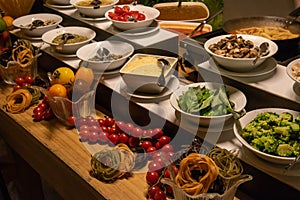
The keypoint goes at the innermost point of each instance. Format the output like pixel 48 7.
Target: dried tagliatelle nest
pixel 111 164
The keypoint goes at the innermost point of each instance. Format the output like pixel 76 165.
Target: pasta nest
pixel 206 173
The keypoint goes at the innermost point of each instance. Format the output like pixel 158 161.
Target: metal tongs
pixel 201 25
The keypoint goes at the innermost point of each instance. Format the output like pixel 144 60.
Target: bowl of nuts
pixel 240 52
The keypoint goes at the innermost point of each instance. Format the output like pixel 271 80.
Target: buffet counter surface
pixel 56 153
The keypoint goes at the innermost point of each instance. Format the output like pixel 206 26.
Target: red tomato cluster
pixel 23 82
pixel 43 111
pixel 124 14
pixel 158 190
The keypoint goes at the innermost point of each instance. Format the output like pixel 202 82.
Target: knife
pixel 200 26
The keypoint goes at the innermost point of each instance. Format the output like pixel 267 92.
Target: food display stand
pixel 54 153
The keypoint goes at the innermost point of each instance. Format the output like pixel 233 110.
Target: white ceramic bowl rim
pixel 73 2
pixel 272 46
pixel 289 69
pixel 17 22
pixel 245 143
pixel 202 84
pixel 130 49
pixel 65 30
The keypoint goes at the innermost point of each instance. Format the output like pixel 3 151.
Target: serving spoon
pixel 161 79
pixel 263 51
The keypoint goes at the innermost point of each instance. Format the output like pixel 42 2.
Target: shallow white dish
pixel 235 96
pixel 24 23
pixel 150 13
pixel 82 16
pixel 90 11
pixel 268 66
pixel 115 47
pixel 240 64
pixel 68 48
pixel 246 119
pixel 153 27
pixel 50 4
pixel 289 70
pixel 141 72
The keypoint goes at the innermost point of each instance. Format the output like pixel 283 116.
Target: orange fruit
pixel 8 20
pixel 57 90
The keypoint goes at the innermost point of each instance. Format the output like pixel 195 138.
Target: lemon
pixel 2 25
pixel 64 76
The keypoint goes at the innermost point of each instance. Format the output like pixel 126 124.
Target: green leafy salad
pixel 205 102
pixel 276 134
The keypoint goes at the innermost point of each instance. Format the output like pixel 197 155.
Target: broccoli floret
pixel 285 150
pixel 266 144
pixel 286 116
pixel 296 146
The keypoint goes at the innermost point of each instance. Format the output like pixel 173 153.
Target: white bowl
pixel 141 80
pixel 149 12
pixel 68 48
pixel 240 64
pixel 115 47
pixel 246 119
pixel 90 11
pixel 235 96
pixel 24 23
pixel 290 71
pixel 60 2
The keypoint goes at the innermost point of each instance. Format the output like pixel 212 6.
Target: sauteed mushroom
pixel 236 47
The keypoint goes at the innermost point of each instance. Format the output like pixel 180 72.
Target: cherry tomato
pixel 133 141
pixel 123 138
pixel 109 121
pixel 154 166
pixel 114 138
pixel 43 106
pixel 163 140
pixel 137 132
pixel 37 109
pixel 152 191
pixel 141 17
pixel 128 128
pixel 16 87
pixel 160 195
pixel 161 161
pixel 19 81
pixel 150 149
pixel 82 121
pixel 103 137
pixel 71 120
pixel 83 127
pixel 38 116
pixel 167 148
pixel 118 10
pixel 48 114
pixel 126 8
pixel 112 130
pixel 93 137
pixel 169 189
pixel 94 128
pixel 84 135
pixel 152 178
pixel 158 145
pixel 25 85
pixel 146 144
pixel 157 133
pixel 45 100
pixel 101 122
pixel 29 79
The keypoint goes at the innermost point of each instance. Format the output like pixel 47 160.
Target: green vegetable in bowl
pixel 205 102
pixel 276 134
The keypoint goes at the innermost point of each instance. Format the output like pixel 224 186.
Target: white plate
pixel 268 66
pixel 172 85
pixel 82 16
pixel 246 119
pixel 58 6
pixel 235 96
pixel 289 69
pixel 107 72
pixel 141 31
